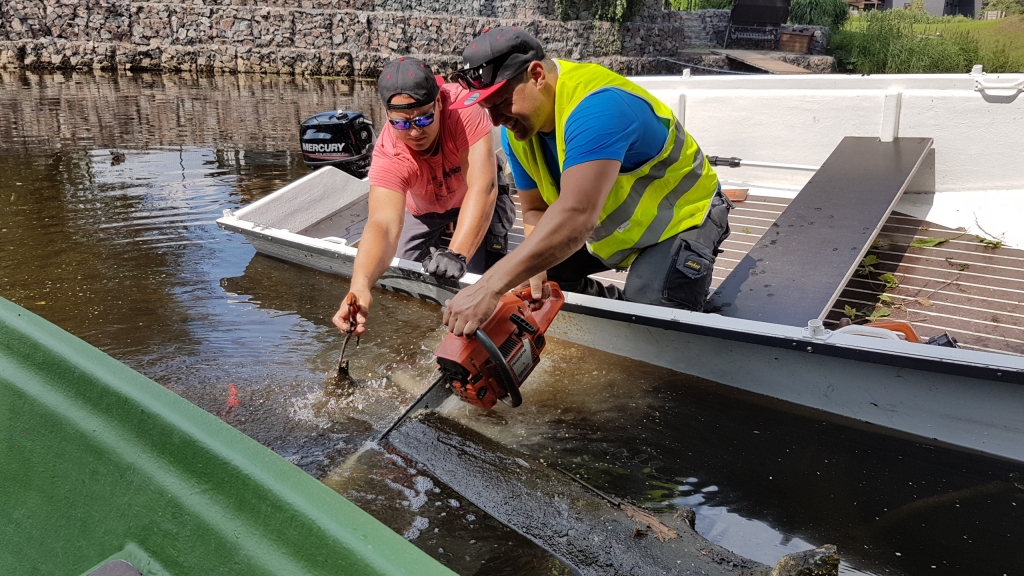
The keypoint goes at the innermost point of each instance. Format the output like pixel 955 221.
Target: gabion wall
pixel 321 37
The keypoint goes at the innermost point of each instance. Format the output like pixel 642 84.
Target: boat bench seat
pixel 797 269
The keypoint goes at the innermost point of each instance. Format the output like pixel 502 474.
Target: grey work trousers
pixel 420 233
pixel 675 272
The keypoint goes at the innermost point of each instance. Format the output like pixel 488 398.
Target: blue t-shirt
pixel 610 124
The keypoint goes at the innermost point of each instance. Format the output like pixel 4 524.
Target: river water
pixel 126 255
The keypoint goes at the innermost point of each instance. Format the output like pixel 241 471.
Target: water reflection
pixel 764 476
pixel 125 255
pixel 72 110
pixel 123 252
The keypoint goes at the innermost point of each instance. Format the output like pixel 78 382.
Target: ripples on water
pixel 126 256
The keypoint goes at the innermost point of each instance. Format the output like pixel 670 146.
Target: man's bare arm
pixel 377 248
pixel 563 229
pixel 379 242
pixel 479 169
pixel 533 206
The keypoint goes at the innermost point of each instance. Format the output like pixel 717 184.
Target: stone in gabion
pixel 327 36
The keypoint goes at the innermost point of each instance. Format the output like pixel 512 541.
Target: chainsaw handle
pixel 511 387
pixel 549 306
pixel 896 326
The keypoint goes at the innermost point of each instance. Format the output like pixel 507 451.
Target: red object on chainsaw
pixel 518 334
pixel 896 326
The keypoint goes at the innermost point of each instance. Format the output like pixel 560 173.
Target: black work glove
pixel 445 264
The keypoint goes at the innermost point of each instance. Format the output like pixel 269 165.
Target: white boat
pixel 960 142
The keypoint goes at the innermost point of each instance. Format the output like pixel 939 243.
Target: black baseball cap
pixel 493 57
pixel 410 76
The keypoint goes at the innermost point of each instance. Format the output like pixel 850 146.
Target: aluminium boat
pixel 890 197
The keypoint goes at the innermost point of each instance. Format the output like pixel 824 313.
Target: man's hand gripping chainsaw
pixel 494 363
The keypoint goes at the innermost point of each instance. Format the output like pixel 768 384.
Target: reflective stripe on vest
pixel 670 193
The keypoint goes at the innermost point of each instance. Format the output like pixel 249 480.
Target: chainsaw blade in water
pixel 433 397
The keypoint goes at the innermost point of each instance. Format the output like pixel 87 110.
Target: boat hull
pixel 963 398
pixel 867 384
pixel 99 464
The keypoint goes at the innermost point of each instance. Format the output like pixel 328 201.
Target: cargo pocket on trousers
pixel 496 243
pixel 496 239
pixel 688 279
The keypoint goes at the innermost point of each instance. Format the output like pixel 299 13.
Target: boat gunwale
pixel 859 351
pixel 992 366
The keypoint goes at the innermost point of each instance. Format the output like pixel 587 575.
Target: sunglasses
pixel 482 76
pixel 419 121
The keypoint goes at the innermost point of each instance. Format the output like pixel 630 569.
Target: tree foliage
pixel 831 13
pixel 1008 6
pixel 691 5
pixel 603 10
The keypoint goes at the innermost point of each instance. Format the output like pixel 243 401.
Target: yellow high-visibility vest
pixel 670 193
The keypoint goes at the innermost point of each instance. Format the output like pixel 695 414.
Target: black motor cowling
pixel 340 138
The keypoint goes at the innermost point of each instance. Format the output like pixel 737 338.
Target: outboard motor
pixel 340 138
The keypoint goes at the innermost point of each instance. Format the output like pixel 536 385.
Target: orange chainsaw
pixel 481 372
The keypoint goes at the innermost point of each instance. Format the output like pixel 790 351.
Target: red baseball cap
pixel 492 58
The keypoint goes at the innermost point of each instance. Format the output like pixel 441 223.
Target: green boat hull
pixel 98 462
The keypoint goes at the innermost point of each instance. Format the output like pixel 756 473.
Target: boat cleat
pixel 815 330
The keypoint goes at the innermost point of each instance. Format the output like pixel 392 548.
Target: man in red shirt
pixel 432 166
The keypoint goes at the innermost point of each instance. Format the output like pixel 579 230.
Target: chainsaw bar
pixel 433 397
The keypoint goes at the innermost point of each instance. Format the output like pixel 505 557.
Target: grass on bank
pixel 912 41
pixel 829 13
pixel 909 41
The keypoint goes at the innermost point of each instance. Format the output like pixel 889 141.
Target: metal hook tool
pixel 353 307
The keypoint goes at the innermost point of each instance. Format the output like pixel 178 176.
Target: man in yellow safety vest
pixel 607 178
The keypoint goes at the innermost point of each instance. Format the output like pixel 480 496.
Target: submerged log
pixel 592 532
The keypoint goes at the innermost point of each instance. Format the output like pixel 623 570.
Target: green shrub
pixel 831 13
pixel 917 15
pixel 690 5
pixel 603 10
pixel 1008 6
